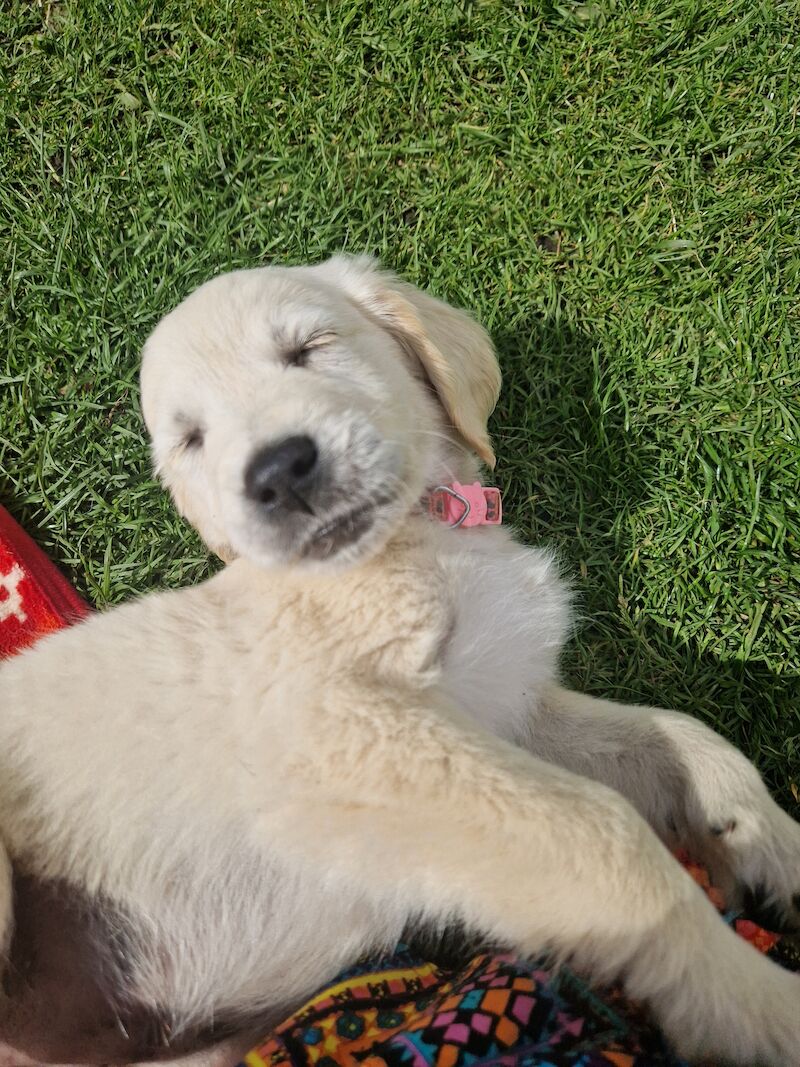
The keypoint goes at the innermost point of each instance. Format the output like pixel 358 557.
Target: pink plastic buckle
pixel 466 505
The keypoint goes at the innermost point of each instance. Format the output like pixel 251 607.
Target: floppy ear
pixel 456 353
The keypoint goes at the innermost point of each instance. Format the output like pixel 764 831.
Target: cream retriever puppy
pixel 359 721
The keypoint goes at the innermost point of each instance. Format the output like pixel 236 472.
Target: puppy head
pixel 298 414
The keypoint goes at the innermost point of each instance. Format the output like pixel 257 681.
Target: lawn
pixel 611 186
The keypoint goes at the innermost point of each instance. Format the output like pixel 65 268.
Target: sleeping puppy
pixel 359 720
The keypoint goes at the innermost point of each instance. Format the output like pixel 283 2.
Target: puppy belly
pixel 85 985
pixel 62 998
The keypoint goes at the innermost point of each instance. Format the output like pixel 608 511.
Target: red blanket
pixel 35 598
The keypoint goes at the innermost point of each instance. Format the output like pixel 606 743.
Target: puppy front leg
pixel 412 806
pixel 688 782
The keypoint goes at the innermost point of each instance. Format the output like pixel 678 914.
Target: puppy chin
pixel 370 544
pixel 317 555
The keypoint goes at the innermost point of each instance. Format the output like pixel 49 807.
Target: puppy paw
pixel 763 851
pixel 750 845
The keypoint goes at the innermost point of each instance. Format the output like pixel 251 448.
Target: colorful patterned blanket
pixel 494 1011
pixel 406 1012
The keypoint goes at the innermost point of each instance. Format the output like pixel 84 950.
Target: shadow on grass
pixel 570 467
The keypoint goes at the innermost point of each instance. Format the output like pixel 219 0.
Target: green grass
pixel 611 186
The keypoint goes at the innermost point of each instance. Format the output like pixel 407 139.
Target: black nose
pixel 278 473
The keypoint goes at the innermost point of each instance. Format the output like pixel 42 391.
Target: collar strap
pixel 465 505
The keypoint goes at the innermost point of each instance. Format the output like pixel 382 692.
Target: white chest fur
pixel 469 612
pixel 511 618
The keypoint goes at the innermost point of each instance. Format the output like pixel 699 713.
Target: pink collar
pixel 465 505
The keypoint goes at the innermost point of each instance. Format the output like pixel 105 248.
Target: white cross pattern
pixel 10 596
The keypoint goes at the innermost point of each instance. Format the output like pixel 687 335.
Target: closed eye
pixel 299 355
pixel 193 439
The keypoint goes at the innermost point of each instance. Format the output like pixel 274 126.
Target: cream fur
pixel 273 771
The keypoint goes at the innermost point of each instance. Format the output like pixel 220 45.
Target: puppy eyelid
pixel 298 354
pixel 193 439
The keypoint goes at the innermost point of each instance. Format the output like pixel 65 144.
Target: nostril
pixel 299 454
pixel 267 495
pixel 306 462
